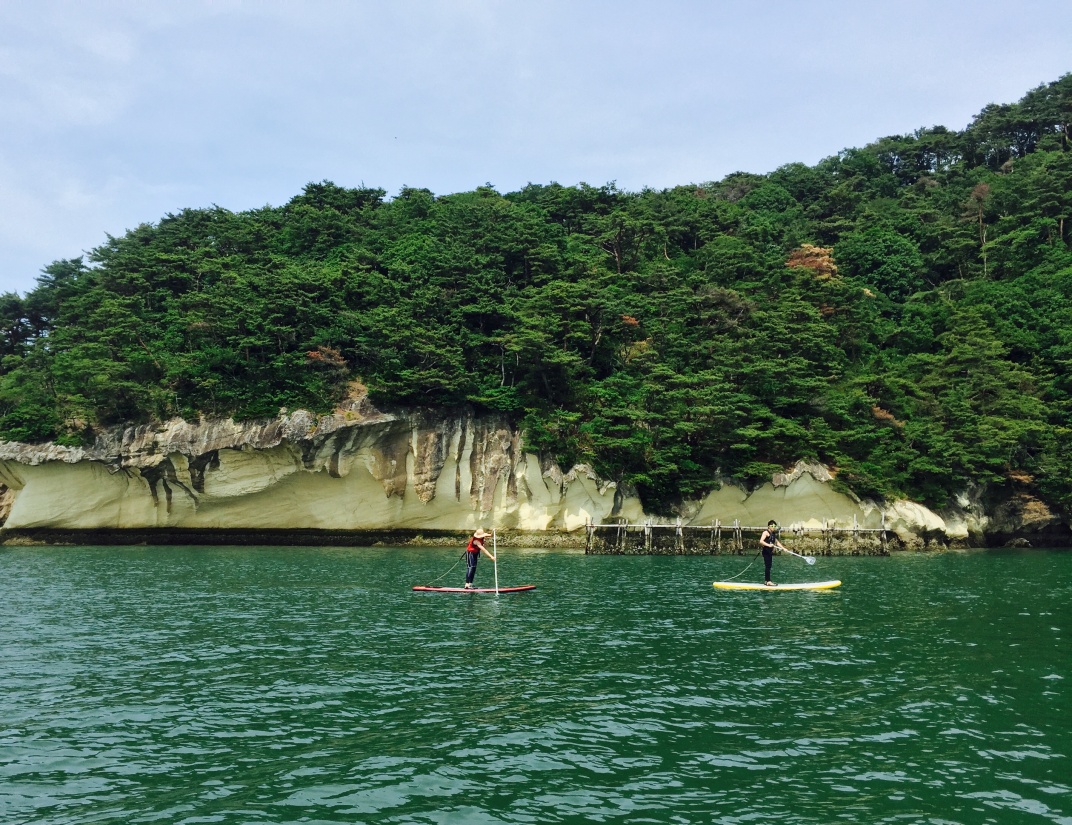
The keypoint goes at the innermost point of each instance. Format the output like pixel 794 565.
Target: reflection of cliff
pixel 364 469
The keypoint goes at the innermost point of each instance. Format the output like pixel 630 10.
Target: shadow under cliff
pixel 244 537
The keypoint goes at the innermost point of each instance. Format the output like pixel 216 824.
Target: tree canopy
pixel 901 312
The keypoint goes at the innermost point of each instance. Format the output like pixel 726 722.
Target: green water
pixel 267 685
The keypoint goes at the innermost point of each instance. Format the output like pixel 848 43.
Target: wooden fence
pixel 649 538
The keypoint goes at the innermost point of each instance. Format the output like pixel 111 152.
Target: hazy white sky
pixel 116 113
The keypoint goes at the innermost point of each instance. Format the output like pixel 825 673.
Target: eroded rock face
pixel 361 468
pixel 1024 520
pixel 358 468
pixel 7 498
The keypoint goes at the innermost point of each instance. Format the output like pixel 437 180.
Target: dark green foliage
pixel 659 336
pixel 887 261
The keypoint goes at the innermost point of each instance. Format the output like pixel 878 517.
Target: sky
pixel 114 114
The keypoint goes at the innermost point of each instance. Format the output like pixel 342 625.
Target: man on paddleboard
pixel 472 556
pixel 768 540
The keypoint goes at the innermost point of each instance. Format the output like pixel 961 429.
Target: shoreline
pixel 566 540
pixel 244 537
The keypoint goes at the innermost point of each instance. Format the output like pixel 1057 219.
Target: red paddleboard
pixel 425 589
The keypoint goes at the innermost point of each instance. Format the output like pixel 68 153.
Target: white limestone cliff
pixel 356 469
pixel 361 468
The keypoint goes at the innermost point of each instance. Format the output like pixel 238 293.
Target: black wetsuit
pixel 768 552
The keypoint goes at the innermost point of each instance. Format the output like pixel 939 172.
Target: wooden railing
pixel 621 537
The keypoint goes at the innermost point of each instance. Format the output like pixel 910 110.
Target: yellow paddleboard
pixel 758 586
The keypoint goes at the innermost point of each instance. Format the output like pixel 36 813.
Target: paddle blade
pixel 810 559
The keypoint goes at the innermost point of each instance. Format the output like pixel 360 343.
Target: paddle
pixel 495 555
pixel 808 559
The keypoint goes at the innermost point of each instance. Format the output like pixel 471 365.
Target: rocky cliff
pixel 365 469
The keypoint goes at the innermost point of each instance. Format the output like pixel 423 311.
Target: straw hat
pixel 480 534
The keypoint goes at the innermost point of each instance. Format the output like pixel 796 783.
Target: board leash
pixel 731 578
pixel 459 561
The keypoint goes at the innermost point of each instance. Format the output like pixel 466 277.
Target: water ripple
pixel 187 685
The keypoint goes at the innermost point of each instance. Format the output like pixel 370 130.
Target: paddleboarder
pixel 768 541
pixel 472 556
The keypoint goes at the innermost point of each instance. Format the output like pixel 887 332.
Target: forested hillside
pixel 901 312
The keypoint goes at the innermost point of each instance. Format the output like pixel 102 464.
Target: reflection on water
pixel 305 685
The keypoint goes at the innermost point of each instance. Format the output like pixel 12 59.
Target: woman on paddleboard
pixel 768 540
pixel 472 556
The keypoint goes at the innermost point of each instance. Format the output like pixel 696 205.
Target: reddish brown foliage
pixel 327 356
pixel 818 259
pixel 886 417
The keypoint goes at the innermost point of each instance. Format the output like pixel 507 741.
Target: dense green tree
pixel 668 338
pixel 882 258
